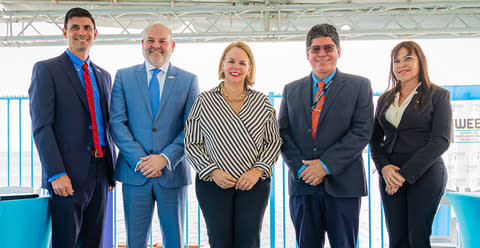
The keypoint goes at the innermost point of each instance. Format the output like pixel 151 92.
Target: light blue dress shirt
pixel 77 64
pixel 314 91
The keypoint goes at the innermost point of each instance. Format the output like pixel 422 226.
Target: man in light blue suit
pixel 150 103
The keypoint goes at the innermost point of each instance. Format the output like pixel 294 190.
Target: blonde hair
pixel 250 79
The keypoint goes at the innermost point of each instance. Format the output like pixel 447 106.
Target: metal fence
pixel 20 166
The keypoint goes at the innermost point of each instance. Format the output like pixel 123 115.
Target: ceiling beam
pixel 125 22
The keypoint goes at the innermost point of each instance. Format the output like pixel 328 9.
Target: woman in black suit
pixel 411 131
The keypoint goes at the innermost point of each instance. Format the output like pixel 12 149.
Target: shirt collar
pixel 414 91
pixel 326 80
pixel 77 62
pixel 149 67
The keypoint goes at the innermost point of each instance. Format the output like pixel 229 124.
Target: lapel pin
pixel 98 70
pixel 171 77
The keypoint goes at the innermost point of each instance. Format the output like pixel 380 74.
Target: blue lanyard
pixel 325 89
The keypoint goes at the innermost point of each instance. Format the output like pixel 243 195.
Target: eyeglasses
pixel 406 59
pixel 329 48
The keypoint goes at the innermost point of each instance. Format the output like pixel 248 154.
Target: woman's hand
pixel 392 178
pixel 223 179
pixel 249 179
pixel 391 189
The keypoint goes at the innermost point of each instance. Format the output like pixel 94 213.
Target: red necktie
pixel 318 107
pixel 91 107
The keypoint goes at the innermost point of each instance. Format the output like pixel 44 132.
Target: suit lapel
pixel 335 88
pixel 67 67
pixel 410 107
pixel 306 92
pixel 141 75
pixel 167 87
pixel 100 78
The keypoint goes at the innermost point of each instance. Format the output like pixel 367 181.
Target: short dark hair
pixel 78 12
pixel 323 30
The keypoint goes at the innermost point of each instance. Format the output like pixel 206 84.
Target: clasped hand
pixel 246 182
pixel 314 173
pixel 152 165
pixel 392 178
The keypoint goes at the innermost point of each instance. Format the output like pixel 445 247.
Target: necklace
pixel 230 98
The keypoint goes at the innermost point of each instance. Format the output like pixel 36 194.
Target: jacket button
pixel 309 130
pixel 314 149
pixel 154 129
pixel 90 127
pixel 151 151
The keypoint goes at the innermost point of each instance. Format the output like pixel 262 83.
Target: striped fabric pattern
pixel 318 108
pixel 217 138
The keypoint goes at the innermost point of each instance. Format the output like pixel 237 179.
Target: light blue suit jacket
pixel 137 133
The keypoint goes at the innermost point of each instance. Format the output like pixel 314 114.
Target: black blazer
pixel 61 121
pixel 423 133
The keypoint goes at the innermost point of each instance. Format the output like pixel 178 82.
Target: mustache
pixel 151 50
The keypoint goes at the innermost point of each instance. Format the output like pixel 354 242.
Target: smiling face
pixel 406 67
pixel 80 33
pixel 323 60
pixel 236 65
pixel 157 46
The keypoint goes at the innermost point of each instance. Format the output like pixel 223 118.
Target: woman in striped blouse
pixel 232 141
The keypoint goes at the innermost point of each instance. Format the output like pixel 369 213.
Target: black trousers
pixel 233 217
pixel 78 220
pixel 409 213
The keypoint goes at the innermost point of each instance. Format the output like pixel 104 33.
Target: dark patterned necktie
pixel 318 107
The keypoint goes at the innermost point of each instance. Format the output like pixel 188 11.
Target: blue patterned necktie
pixel 154 91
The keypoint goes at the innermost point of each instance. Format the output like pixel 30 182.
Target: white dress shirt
pixel 394 113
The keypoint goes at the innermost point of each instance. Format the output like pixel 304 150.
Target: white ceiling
pixel 38 22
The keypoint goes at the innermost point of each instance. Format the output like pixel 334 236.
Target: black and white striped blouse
pixel 217 138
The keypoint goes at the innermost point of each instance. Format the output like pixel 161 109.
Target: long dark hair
pixel 394 85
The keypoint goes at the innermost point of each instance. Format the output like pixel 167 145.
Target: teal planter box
pixel 25 223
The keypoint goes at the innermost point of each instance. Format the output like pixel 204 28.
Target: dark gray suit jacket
pixel 344 129
pixel 425 133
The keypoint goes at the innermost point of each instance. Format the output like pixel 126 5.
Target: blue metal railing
pixel 36 170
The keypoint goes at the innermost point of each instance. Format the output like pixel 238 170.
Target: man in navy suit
pixel 325 121
pixel 69 102
pixel 150 103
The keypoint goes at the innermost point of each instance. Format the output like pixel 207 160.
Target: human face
pixel 236 65
pixel 324 60
pixel 157 46
pixel 80 33
pixel 406 67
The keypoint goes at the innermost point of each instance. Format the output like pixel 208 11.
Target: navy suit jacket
pixel 61 120
pixel 344 129
pixel 138 133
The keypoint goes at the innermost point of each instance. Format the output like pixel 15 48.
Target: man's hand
pixel 249 179
pixel 223 179
pixel 314 173
pixel 62 186
pixel 152 165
